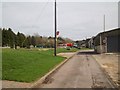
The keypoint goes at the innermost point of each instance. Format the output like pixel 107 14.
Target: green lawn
pixel 25 65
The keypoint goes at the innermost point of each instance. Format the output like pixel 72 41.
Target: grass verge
pixel 27 65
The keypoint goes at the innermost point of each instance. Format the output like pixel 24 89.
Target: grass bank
pixel 27 65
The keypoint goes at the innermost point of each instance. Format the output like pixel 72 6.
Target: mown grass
pixel 26 65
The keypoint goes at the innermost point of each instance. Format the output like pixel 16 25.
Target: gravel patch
pixel 67 55
pixel 109 62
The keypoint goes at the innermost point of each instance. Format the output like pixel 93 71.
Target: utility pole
pixel 104 23
pixel 105 38
pixel 100 43
pixel 102 37
pixel 55 42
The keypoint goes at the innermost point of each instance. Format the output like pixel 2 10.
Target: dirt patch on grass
pixel 67 55
pixel 44 49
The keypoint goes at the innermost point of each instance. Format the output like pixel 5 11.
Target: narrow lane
pixel 81 71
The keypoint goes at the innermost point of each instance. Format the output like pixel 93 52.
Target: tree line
pixel 12 40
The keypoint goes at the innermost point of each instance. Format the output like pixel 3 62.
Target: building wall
pixel 110 41
pixel 90 45
pixel 112 44
pixel 100 49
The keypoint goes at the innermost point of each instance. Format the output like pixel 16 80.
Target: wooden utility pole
pixel 55 42
pixel 105 38
pixel 100 43
pixel 104 23
pixel 101 37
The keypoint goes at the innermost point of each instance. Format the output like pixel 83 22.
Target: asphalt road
pixel 81 71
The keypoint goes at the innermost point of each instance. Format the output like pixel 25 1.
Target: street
pixel 81 71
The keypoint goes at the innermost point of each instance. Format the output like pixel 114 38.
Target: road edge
pixel 46 76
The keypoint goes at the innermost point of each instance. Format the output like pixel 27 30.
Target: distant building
pixel 81 44
pixel 87 43
pixel 61 46
pixel 91 43
pixel 107 42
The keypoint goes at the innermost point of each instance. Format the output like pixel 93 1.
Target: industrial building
pixel 108 41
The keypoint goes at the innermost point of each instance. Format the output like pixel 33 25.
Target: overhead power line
pixel 41 12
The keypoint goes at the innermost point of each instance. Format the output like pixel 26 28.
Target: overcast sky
pixel 75 20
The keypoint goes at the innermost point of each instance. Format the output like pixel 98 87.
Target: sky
pixel 75 20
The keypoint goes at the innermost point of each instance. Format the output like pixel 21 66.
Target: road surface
pixel 81 71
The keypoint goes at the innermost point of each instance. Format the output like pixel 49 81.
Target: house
pixel 107 42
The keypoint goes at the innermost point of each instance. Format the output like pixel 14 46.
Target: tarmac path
pixel 81 71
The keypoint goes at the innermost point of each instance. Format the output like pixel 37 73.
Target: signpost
pixel 56 32
pixel 55 41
